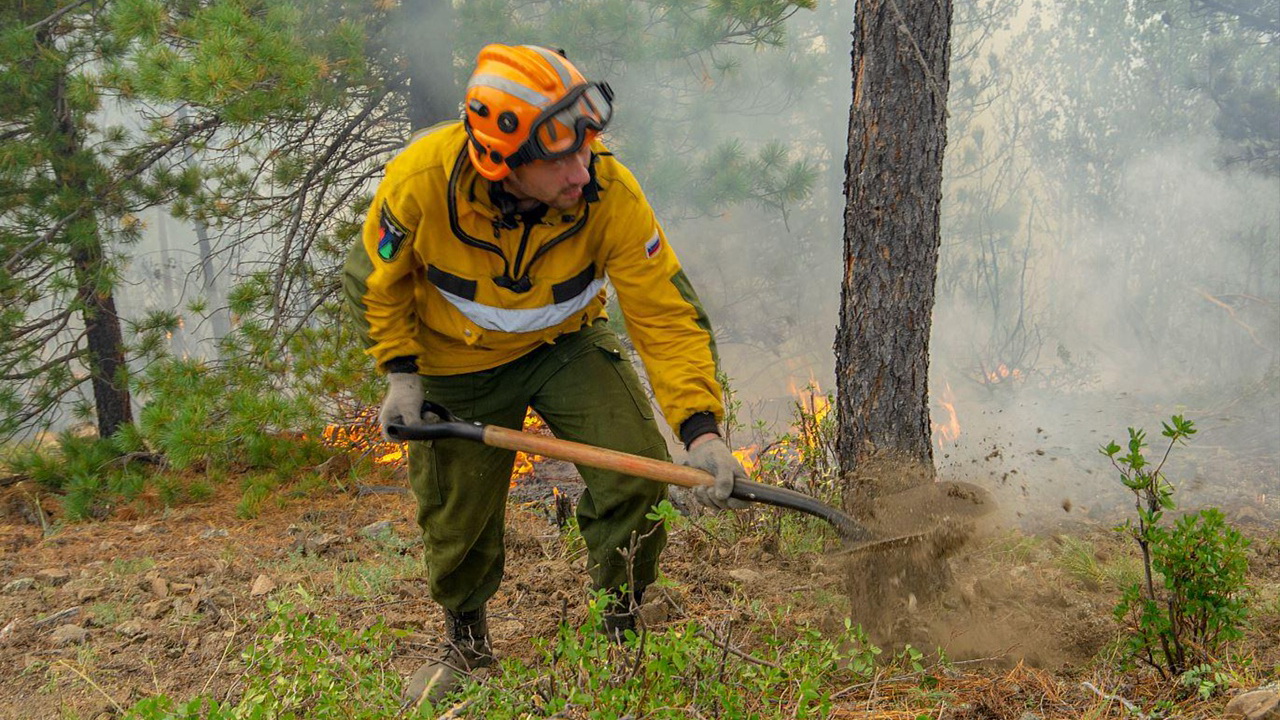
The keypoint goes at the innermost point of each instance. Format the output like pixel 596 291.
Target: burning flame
pixel 1002 373
pixel 807 433
pixel 813 407
pixel 524 462
pixel 749 456
pixel 948 432
pixel 362 435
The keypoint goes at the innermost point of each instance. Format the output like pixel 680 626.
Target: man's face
pixel 556 183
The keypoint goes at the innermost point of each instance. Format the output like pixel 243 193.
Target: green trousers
pixel 585 389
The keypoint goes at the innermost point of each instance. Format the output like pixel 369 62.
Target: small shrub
pixel 1201 561
pixel 680 672
pixel 301 665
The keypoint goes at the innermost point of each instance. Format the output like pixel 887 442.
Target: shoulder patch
pixel 391 234
pixel 652 247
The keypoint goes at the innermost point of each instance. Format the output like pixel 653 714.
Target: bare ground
pixel 169 598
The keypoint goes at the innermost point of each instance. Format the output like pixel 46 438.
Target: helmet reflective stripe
pixel 556 62
pixel 510 87
pixel 524 319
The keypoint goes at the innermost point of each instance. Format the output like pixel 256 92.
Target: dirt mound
pixel 948 585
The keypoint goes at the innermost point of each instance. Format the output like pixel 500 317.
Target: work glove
pixel 403 403
pixel 715 457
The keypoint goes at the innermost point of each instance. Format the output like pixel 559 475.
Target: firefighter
pixel 479 284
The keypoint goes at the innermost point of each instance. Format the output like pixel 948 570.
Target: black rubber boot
pixel 620 615
pixel 465 649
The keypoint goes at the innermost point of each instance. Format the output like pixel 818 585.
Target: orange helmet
pixel 527 103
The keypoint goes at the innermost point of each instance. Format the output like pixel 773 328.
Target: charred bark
pixel 893 188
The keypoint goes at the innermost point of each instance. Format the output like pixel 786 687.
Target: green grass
pixel 371 580
pixel 1014 547
pixel 303 663
pixel 1080 560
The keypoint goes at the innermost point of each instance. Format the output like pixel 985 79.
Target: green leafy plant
pixel 1200 561
pixel 301 665
pixel 680 672
pixel 1205 679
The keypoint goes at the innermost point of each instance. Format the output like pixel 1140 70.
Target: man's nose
pixel 577 172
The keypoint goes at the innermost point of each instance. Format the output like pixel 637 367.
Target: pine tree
pixel 102 105
pixel 897 133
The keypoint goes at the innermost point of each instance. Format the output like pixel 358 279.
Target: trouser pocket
pixel 609 344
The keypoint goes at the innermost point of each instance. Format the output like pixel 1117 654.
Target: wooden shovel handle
pixel 596 457
pixel 634 465
pixel 671 474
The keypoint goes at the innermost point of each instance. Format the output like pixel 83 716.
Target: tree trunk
pixel 426 38
pixel 893 188
pixel 108 370
pixel 218 312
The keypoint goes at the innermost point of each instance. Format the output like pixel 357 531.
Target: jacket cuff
pixel 401 364
pixel 697 425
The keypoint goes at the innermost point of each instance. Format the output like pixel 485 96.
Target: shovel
pixel 856 535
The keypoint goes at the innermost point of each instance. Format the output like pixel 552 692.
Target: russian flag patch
pixel 652 247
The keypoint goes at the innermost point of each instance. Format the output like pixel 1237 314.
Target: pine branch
pixel 157 153
pixel 57 15
pixel 37 371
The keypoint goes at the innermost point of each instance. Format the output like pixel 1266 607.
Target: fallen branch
pixel 714 640
pixel 1128 705
pixel 456 711
pixel 910 676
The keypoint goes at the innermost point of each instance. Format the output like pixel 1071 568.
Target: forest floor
pixel 98 615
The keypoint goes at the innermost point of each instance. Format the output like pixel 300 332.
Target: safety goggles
pixel 563 127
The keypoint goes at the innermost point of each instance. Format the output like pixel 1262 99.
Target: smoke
pixel 1069 307
pixel 1081 289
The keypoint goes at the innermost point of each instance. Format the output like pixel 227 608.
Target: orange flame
pixel 948 432
pixel 1002 373
pixel 813 405
pixel 749 456
pixel 362 435
pixel 524 462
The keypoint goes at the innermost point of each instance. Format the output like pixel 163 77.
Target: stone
pixel 318 544
pixel 7 633
pixel 373 531
pixel 54 577
pixel 85 594
pixel 745 576
pixel 1255 705
pixel 158 587
pixel 19 585
pixel 654 613
pixel 59 617
pixel 261 586
pixel 69 635
pixel 132 629
pixel 154 609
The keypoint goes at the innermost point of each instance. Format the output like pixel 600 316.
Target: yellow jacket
pixel 446 277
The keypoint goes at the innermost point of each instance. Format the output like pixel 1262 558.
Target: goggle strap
pixel 521 156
